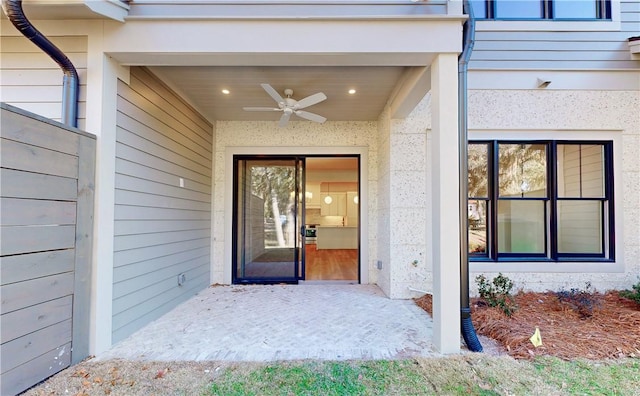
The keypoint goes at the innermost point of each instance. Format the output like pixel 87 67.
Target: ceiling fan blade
pixel 310 116
pixel 261 109
pixel 311 100
pixel 273 93
pixel 284 119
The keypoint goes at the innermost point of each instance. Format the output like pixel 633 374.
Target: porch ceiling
pixel 203 85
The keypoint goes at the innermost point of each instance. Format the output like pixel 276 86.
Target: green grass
pixel 460 375
pixel 582 377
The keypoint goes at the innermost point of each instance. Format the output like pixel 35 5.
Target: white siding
pixel 163 202
pixel 581 50
pixel 31 80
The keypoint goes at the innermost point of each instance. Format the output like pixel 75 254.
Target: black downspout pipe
pixel 468 32
pixel 70 82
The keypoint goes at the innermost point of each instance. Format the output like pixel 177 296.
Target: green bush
pixel 632 294
pixel 497 293
pixel 581 301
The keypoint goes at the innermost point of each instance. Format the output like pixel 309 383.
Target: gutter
pixel 468 33
pixel 70 82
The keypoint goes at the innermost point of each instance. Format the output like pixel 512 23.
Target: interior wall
pixel 265 137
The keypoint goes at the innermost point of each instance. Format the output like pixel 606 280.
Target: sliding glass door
pixel 268 219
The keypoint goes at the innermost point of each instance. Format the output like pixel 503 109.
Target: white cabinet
pixel 353 208
pixel 337 238
pixel 312 195
pixel 337 207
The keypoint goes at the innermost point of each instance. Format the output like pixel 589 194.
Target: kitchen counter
pixel 337 237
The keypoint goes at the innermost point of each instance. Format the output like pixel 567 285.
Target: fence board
pixel 16 212
pixel 17 323
pixel 34 371
pixel 22 156
pixel 84 248
pixel 17 240
pixel 21 350
pixel 47 173
pixel 23 267
pixel 25 294
pixel 23 129
pixel 19 184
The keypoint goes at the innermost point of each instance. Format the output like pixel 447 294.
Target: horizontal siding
pixel 162 202
pixel 139 268
pixel 32 81
pixel 573 50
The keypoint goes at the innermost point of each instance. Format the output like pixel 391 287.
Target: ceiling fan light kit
pixel 289 106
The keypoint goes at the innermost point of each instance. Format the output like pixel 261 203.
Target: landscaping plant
pixel 583 301
pixel 632 294
pixel 497 293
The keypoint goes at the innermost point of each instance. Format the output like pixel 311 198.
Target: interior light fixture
pixel 356 200
pixel 352 91
pixel 328 198
pixel 226 91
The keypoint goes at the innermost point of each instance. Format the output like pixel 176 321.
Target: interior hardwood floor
pixel 331 264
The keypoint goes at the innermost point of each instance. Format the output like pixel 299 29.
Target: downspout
pixel 468 32
pixel 70 82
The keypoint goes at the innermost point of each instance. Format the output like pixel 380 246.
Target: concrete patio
pixel 283 322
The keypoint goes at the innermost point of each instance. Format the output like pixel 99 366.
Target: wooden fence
pixel 46 206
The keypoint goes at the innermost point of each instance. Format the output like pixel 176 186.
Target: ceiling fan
pixel 289 106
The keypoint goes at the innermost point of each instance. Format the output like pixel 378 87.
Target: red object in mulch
pixel 610 330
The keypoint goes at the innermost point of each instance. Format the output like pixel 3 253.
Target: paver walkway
pixel 283 322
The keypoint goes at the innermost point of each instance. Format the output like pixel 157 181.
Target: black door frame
pixel 298 260
pixel 300 270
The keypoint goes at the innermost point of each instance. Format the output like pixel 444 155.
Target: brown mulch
pixel 610 330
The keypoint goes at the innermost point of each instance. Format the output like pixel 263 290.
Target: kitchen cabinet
pixel 337 237
pixel 337 207
pixel 312 195
pixel 353 208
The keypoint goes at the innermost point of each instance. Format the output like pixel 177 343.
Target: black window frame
pixel 603 12
pixel 551 253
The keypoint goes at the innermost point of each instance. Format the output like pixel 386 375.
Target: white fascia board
pixel 297 42
pixel 113 9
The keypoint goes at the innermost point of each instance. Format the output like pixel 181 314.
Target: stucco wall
pixel 267 135
pixel 528 114
pixel 615 114
pixel 399 178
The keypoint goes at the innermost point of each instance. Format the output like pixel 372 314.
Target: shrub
pixel 581 301
pixel 632 294
pixel 497 293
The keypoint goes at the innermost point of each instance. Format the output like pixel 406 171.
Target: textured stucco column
pixel 446 244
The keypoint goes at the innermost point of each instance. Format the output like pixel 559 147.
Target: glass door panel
pixel 267 220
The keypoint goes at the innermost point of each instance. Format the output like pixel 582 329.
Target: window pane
pixel 580 171
pixel 477 226
pixel 580 9
pixel 478 170
pixel 580 226
pixel 479 8
pixel 519 9
pixel 521 226
pixel 522 170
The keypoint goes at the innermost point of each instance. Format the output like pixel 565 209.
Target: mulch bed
pixel 607 326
